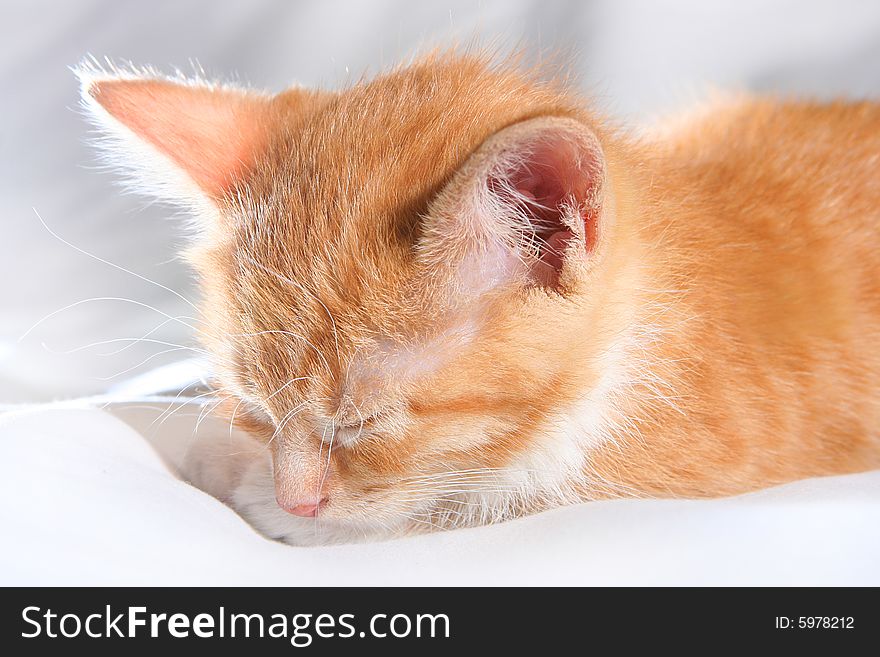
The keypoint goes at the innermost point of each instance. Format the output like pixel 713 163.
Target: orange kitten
pixel 454 294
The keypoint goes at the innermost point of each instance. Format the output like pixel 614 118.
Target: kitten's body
pixel 453 295
pixel 763 219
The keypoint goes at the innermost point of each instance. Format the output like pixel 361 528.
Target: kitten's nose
pixel 306 507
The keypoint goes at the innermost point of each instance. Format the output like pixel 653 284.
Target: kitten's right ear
pixel 177 140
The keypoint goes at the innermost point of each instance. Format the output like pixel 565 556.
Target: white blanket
pixel 89 498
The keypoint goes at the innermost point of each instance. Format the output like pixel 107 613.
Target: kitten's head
pixel 405 283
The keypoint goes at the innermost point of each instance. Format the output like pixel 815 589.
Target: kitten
pixel 455 294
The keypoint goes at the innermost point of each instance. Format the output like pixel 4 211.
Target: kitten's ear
pixel 176 139
pixel 530 202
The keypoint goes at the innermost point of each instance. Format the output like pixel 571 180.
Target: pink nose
pixel 305 508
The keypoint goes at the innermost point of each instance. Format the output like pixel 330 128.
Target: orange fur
pixel 719 332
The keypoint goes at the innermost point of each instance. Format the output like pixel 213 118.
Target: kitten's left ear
pixel 176 139
pixel 529 205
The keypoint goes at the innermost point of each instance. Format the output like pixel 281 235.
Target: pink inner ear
pixel 209 133
pixel 543 196
pixel 557 176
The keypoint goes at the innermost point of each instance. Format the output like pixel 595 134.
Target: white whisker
pixel 123 299
pixel 112 264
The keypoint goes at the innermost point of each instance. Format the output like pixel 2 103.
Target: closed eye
pixel 358 423
pixel 344 435
pixel 347 431
pixel 349 426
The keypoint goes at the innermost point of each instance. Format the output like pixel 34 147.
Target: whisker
pixel 284 420
pixel 232 417
pixel 126 340
pixel 132 301
pixel 207 410
pixel 153 330
pixel 143 362
pixel 292 381
pixel 327 465
pixel 112 264
pixel 168 412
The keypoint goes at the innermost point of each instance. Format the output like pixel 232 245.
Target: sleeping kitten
pixel 455 294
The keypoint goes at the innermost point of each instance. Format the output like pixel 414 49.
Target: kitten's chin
pixel 238 471
pixel 254 500
pixel 274 523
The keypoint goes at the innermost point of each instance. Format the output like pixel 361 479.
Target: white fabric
pixel 84 499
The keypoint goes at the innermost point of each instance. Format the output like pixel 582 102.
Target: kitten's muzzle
pixel 300 479
pixel 306 507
